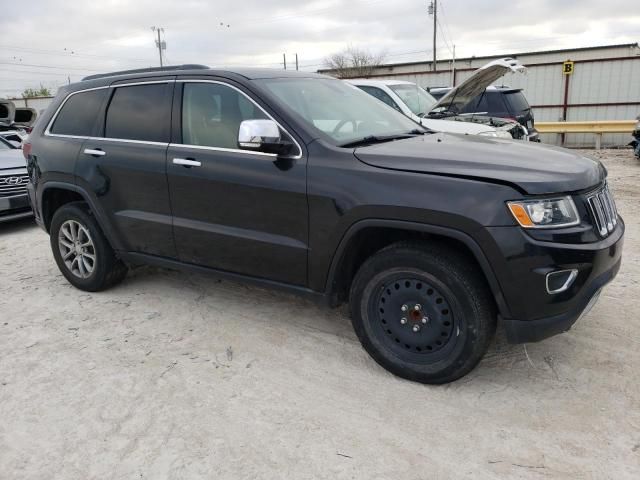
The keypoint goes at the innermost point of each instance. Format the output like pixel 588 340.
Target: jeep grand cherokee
pixel 303 182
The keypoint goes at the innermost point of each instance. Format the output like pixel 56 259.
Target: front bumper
pixel 13 208
pixel 535 314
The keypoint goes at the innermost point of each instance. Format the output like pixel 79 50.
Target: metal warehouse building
pixel 604 85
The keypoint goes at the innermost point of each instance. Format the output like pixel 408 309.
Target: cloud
pixel 115 34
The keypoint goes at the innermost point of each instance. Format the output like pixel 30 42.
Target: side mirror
pixel 262 136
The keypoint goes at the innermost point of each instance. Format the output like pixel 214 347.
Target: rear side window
pixel 140 112
pixel 517 102
pixel 79 113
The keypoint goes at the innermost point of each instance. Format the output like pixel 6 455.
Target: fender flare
pixel 99 214
pixel 462 237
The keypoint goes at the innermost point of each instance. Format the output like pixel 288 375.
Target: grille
pixel 604 211
pixel 12 185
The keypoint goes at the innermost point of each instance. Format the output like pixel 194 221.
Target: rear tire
pixel 81 250
pixel 423 312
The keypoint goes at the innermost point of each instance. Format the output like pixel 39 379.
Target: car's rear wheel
pixel 81 250
pixel 423 312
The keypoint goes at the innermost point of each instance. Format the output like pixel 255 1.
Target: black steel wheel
pixel 423 312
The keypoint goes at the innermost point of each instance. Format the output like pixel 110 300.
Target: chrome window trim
pixel 222 149
pixel 47 131
pixel 129 140
pixel 205 147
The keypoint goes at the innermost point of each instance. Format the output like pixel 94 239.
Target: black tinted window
pixel 517 102
pixel 140 112
pixel 79 113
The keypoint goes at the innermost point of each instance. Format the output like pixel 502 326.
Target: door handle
pixel 95 152
pixel 186 162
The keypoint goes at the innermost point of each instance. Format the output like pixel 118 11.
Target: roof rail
pixel 148 70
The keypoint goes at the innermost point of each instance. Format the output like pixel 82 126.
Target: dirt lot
pixel 180 376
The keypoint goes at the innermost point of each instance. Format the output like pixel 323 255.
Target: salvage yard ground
pixel 181 376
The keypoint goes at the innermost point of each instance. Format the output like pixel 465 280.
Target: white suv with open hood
pixel 417 104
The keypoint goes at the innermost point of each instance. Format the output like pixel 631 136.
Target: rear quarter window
pixel 517 102
pixel 79 113
pixel 139 112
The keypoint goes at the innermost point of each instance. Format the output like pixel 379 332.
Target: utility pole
pixel 296 61
pixel 161 44
pixel 284 60
pixel 433 10
pixel 453 68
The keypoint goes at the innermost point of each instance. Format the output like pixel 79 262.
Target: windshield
pixel 337 109
pixel 418 100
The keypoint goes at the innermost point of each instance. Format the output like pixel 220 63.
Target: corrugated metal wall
pixel 601 76
pixel 39 103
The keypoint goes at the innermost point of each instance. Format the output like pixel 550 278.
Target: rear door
pixel 124 165
pixel 234 210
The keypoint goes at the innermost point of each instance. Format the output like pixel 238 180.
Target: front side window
pixel 339 110
pixel 380 95
pixel 139 112
pixel 212 113
pixel 79 113
pixel 418 100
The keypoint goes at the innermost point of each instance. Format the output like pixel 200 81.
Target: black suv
pixel 303 182
pixel 501 102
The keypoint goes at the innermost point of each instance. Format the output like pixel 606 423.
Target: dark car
pixel 501 102
pixel 301 182
pixel 14 201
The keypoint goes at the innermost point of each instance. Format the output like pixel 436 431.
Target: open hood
pixel 25 117
pixel 473 86
pixel 7 112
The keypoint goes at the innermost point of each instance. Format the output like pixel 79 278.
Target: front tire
pixel 81 250
pixel 423 312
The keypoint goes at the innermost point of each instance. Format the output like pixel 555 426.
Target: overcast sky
pixel 52 41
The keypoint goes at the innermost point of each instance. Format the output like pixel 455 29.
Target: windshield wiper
pixel 371 139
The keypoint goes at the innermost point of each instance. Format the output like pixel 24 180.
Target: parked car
pixel 421 106
pixel 414 102
pixel 15 137
pixel 635 143
pixel 496 101
pixel 14 202
pixel 301 182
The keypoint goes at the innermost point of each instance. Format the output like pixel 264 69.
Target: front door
pixel 234 210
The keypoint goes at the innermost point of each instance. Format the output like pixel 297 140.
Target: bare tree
pixel 353 62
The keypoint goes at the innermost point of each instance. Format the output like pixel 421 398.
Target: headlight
pixel 545 213
pixel 496 133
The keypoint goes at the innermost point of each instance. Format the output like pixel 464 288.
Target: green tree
pixel 36 92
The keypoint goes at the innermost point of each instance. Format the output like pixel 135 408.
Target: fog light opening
pixel 560 280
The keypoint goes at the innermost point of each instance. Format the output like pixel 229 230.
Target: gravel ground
pixel 180 376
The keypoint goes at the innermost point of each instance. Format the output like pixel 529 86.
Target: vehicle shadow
pixel 16 226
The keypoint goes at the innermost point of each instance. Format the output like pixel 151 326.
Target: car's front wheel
pixel 81 250
pixel 422 311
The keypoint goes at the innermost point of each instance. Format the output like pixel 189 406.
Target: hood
pixel 532 168
pixel 454 125
pixel 12 159
pixel 459 96
pixel 7 112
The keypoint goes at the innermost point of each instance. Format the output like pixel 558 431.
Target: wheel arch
pixel 56 194
pixel 355 246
